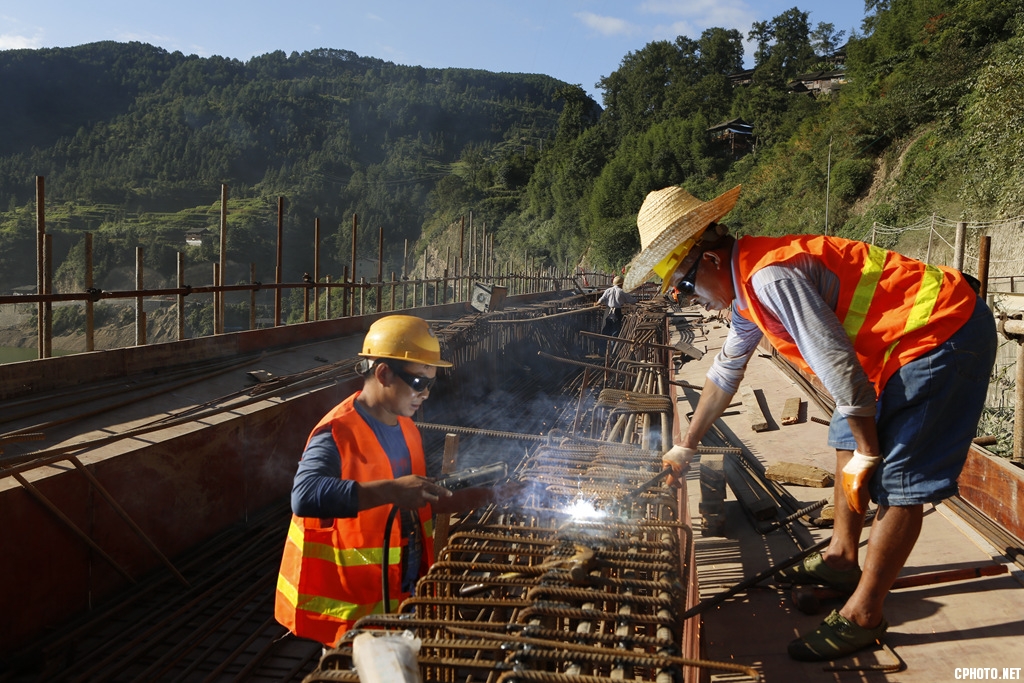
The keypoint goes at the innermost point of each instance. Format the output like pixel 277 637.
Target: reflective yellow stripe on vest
pixel 318 604
pixel 927 296
pixel 870 274
pixel 924 304
pixel 348 557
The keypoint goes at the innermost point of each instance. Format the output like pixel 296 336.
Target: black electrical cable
pixel 384 564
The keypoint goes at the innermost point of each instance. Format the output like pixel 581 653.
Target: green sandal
pixel 836 637
pixel 813 570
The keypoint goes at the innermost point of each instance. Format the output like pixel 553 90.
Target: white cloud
pixel 9 41
pixel 609 26
pixel 702 13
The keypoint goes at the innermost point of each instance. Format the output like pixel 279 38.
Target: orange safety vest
pixel 331 569
pixel 894 309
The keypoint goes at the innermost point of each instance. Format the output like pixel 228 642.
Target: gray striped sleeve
pixel 802 295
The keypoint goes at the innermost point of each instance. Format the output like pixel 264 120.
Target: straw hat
pixel 670 223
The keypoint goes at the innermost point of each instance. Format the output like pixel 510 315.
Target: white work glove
pixel 856 475
pixel 678 458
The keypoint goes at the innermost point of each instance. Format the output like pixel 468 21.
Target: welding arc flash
pixel 584 509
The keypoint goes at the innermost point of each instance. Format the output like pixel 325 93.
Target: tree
pixel 825 39
pixel 786 40
pixel 579 112
pixel 636 92
pixel 721 51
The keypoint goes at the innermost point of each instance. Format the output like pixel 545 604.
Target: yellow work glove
pixel 856 475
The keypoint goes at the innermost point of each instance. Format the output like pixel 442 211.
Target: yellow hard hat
pixel 403 337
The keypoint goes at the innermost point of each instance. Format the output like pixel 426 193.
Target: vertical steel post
pixel 345 289
pixel 305 299
pixel 316 268
pixel 355 229
pixel 216 297
pixel 219 319
pixel 958 249
pixel 252 296
pixel 181 297
pixel 327 298
pixel 279 267
pixel 405 275
pixel 140 307
pixel 90 313
pixel 48 289
pixel 380 268
pixel 983 254
pixel 462 253
pixel 447 269
pixel 40 250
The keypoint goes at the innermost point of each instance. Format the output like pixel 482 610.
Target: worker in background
pixel 903 347
pixel 615 298
pixel 364 457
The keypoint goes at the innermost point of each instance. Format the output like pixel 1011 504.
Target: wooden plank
pixel 751 494
pixel 689 350
pixel 712 477
pixel 712 493
pixel 799 474
pixel 791 411
pixel 758 421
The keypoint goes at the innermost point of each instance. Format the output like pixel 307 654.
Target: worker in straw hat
pixel 904 348
pixel 671 221
pixel 364 458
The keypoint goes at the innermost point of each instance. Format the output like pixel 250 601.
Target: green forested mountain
pixel 134 142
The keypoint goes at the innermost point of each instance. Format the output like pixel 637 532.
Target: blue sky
pixel 578 41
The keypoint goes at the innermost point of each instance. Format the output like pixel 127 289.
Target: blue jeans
pixel 927 416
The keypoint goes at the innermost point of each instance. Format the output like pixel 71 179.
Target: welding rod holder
pixel 646 485
pixel 488 475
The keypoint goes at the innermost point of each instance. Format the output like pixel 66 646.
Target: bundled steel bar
pixel 582 574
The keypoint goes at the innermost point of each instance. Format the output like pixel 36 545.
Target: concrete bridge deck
pixel 211 457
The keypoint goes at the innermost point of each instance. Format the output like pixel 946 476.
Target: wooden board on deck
pixel 791 411
pixel 801 475
pixel 758 421
pixel 689 350
pixel 751 494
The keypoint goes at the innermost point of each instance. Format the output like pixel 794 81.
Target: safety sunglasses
pixel 418 383
pixel 688 284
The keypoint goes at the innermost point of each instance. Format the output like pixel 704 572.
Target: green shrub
pixel 850 178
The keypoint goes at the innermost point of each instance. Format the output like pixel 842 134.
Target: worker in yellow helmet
pixel 362 459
